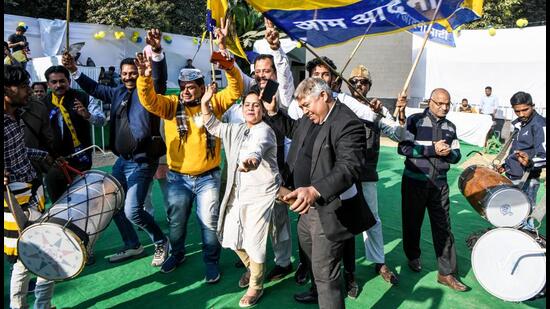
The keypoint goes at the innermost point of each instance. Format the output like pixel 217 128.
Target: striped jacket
pixel 531 139
pixel 422 162
pixel 31 199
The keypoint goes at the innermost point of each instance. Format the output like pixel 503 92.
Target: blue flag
pixel 325 22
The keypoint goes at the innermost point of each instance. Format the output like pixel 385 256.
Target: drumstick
pixel 417 60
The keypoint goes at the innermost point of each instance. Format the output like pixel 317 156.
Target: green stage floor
pixel 135 284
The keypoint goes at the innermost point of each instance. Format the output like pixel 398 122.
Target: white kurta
pixel 247 206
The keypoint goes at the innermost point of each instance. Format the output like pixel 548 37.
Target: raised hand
pixel 143 65
pixel 68 62
pixel 221 34
pixel 154 39
pixel 400 106
pixel 208 94
pixel 271 35
pixel 376 105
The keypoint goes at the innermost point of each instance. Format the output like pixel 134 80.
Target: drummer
pixel 26 187
pixel 528 150
pixel 424 185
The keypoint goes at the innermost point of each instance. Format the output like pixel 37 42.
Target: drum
pixel 494 196
pixel 510 264
pixel 56 246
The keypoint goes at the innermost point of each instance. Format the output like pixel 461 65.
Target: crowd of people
pixel 312 150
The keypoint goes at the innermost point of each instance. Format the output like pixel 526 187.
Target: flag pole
pixel 355 50
pixel 211 64
pixel 338 74
pixel 417 60
pixel 67 25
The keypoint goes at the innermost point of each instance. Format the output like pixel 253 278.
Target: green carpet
pixel 135 284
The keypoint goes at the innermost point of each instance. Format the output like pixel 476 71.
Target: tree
pixel 505 13
pixel 182 17
pixel 46 9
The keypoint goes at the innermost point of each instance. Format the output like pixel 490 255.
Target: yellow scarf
pixel 66 117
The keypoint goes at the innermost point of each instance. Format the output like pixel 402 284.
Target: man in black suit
pixel 323 167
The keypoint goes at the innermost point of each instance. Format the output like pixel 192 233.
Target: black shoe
pixel 239 264
pixel 279 272
pixel 32 285
pixel 302 274
pixel 351 285
pixel 308 297
pixel 415 265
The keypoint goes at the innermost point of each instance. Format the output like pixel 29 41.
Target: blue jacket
pixel 531 139
pixel 140 120
pixel 422 162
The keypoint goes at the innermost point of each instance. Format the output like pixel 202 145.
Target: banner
pixel 438 34
pixel 325 22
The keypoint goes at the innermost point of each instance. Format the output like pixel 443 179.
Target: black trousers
pixel 56 181
pixel 417 196
pixel 324 256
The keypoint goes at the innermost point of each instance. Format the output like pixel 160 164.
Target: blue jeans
pixel 531 188
pixel 135 178
pixel 183 190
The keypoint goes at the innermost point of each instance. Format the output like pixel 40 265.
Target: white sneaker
pixel 126 254
pixel 160 255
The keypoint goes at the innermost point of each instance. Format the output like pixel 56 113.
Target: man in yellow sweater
pixel 193 157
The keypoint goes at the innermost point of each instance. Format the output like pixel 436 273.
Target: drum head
pixel 507 207
pixel 505 264
pixel 51 252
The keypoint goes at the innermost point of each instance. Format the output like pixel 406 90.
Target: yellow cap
pixel 360 71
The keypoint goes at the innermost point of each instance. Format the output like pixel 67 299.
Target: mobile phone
pixel 270 90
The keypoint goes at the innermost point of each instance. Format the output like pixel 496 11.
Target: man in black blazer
pixel 323 167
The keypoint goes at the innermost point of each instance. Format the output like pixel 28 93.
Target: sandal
pixel 249 301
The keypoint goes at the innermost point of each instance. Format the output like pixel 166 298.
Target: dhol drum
pixel 56 246
pixel 494 196
pixel 510 264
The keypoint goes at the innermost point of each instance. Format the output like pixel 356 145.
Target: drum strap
pixel 75 229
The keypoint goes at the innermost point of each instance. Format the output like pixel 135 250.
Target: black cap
pixel 21 28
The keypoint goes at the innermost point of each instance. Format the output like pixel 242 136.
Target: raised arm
pixel 90 86
pixel 284 75
pixel 160 105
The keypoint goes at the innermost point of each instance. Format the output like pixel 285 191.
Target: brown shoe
pixel 451 282
pixel 388 275
pixel 245 279
pixel 249 301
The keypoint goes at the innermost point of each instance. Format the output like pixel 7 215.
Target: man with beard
pixel 193 157
pixel 132 129
pixel 276 67
pixel 21 178
pixel 528 151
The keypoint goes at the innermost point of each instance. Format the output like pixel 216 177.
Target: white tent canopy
pixel 513 60
pixel 47 38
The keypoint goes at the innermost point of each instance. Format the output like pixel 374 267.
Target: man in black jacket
pixel 323 166
pixel 132 129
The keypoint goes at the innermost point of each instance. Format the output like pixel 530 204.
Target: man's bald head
pixel 438 92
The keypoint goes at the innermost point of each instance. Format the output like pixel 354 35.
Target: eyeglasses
pixel 355 81
pixel 441 104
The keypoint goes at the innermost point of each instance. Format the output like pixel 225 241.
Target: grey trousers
pixel 324 256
